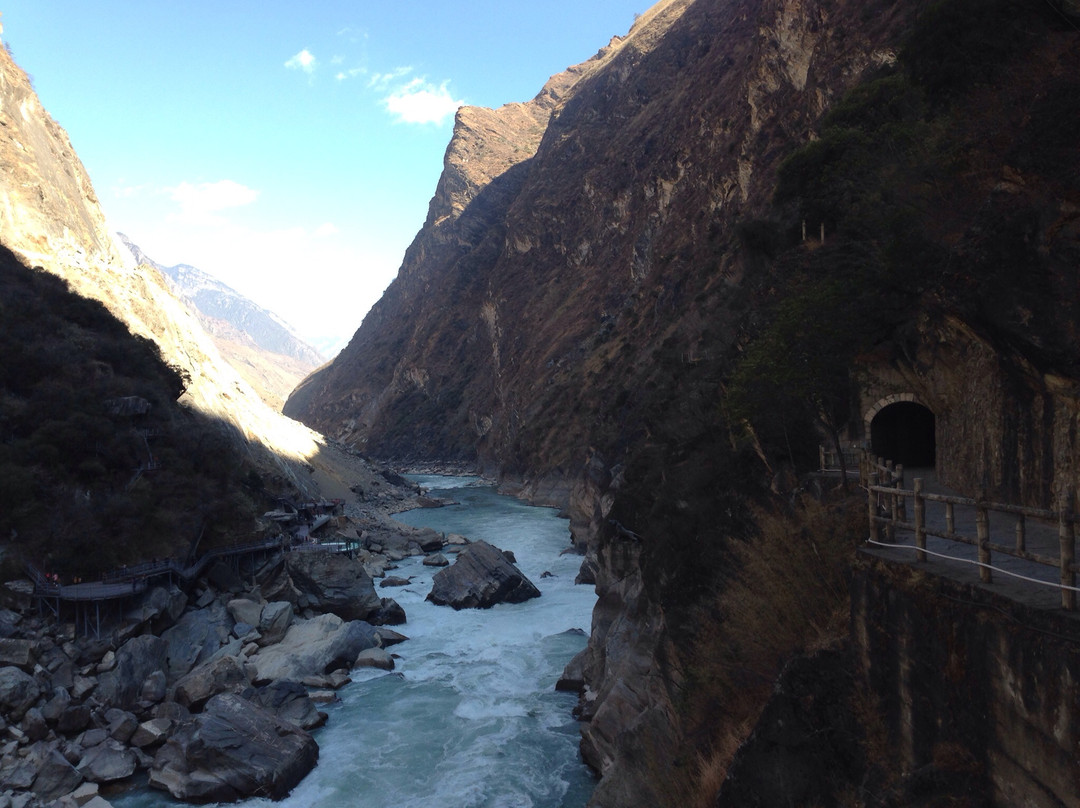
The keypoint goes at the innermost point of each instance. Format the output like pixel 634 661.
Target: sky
pixel 288 149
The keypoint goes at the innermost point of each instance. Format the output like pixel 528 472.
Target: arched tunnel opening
pixel 904 433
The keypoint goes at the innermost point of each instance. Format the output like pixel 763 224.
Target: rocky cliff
pixel 50 216
pixel 600 316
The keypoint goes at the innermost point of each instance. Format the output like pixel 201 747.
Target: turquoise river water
pixel 470 717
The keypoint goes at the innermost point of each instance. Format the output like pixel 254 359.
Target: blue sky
pixel 288 149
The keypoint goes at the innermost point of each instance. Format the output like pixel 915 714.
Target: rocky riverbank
pixel 208 692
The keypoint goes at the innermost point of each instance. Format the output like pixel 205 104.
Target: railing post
pixel 1021 535
pixel 902 501
pixel 821 456
pixel 871 507
pixel 894 512
pixel 920 520
pixel 950 519
pixel 1067 541
pixel 982 531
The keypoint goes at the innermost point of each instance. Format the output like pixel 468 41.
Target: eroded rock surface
pixel 479 578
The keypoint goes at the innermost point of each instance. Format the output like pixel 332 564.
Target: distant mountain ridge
pixel 218 301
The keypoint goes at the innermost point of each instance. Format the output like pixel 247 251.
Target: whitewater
pixel 470 717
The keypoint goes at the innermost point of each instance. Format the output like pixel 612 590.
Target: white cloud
pixel 421 102
pixel 200 202
pixel 351 73
pixel 305 60
pixel 381 81
pixel 326 229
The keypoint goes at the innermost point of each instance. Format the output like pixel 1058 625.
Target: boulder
pixel 375 658
pixel 34 725
pixel 436 560
pixel 74 719
pixel 288 701
pixel 197 636
pixel 232 750
pixel 573 675
pixel 245 610
pixel 224 579
pixel 17 652
pixel 55 776
pixel 122 724
pixel 135 661
pixel 313 647
pixel 394 581
pixel 18 692
pixel 389 614
pixel 479 578
pixel 153 688
pixel 161 605
pixel 274 621
pixel 333 583
pixel 219 675
pixel 152 733
pixel 107 762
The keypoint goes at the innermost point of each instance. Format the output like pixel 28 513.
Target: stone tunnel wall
pixel 1001 426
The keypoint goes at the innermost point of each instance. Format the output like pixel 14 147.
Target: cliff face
pixel 49 215
pixel 574 323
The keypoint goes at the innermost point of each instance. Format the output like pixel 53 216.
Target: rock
pixel 456 538
pixel 17 595
pixel 9 621
pixel 288 701
pixel 152 733
pixel 573 675
pixel 436 560
pixel 92 737
pixel 197 636
pixel 18 692
pixel 479 578
pixel 388 637
pixel 220 675
pixel 74 719
pixel 375 658
pixel 315 646
pixel 107 663
pixel 153 689
pixel 245 632
pixel 16 652
pixel 122 724
pixel 55 776
pixel 245 610
pixel 430 544
pixel 334 583
pixel 82 686
pixel 588 570
pixel 107 762
pixel 84 794
pixel 55 706
pixel 135 661
pixel 161 605
pixel 34 725
pixel 274 621
pixel 394 581
pixel 323 696
pixel 234 749
pixel 389 614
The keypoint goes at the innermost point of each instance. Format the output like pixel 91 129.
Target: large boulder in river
pixel 219 675
pixel 329 582
pixel 479 578
pixel 136 660
pixel 314 647
pixel 232 750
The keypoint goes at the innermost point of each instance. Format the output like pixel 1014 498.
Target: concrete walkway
pixel 958 561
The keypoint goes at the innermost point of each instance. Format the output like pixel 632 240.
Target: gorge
pixel 653 296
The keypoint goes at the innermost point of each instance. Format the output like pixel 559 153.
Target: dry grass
pixel 788 595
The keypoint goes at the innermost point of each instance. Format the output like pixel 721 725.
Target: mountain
pixel 261 346
pixel 743 230
pixel 50 218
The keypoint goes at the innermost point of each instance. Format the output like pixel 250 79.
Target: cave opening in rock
pixel 904 433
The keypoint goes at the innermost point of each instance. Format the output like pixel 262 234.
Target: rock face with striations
pixel 233 749
pixel 481 576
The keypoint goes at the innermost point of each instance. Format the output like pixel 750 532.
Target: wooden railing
pixel 886 500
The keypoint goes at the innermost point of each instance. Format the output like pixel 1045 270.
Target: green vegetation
pixel 99 465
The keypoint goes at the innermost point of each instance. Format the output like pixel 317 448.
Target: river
pixel 469 718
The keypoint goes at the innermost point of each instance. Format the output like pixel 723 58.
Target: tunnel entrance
pixel 904 433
